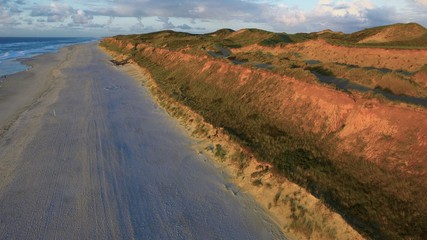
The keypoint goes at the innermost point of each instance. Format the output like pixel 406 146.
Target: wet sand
pixel 87 154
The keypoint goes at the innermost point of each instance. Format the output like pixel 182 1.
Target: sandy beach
pixel 86 153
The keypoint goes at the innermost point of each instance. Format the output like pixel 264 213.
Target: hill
pixel 346 121
pixel 392 33
pixel 410 35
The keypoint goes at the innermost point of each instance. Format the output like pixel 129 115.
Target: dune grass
pixel 376 200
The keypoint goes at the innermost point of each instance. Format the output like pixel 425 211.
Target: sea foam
pixel 12 49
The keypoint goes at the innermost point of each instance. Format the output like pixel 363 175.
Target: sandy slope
pixel 95 158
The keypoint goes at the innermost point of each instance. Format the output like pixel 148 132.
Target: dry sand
pixel 87 154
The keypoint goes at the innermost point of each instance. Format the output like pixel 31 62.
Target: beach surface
pixel 85 153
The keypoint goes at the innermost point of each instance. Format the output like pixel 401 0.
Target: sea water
pixel 12 49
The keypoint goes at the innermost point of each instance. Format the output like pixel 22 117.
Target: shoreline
pixel 20 62
pixel 19 90
pixel 25 61
pixel 298 213
pixel 23 88
pixel 20 94
pixel 108 155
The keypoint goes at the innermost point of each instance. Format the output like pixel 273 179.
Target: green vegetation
pixel 321 70
pixel 291 64
pixel 241 159
pixel 220 152
pixel 276 39
pixel 392 36
pixel 399 36
pixel 288 64
pixel 395 82
pixel 257 182
pixel 379 201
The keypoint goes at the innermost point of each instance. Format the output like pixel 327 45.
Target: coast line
pixel 250 175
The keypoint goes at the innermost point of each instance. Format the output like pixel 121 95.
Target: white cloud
pixel 80 17
pixel 339 15
pixel 4 15
pixel 138 27
pixel 288 16
pixel 9 13
pixel 422 3
pixel 349 16
pixel 198 10
pixel 55 12
pixel 342 9
pixel 6 19
pixel 184 27
pixel 203 9
pixel 417 6
pixel 166 23
pixel 336 14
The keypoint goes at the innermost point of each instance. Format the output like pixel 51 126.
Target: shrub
pixel 220 152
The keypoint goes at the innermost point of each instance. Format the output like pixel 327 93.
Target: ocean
pixel 14 48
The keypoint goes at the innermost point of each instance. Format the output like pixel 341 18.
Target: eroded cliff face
pixel 379 132
pixel 346 126
pixel 421 77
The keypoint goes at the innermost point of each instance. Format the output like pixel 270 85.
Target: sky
pixel 101 18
